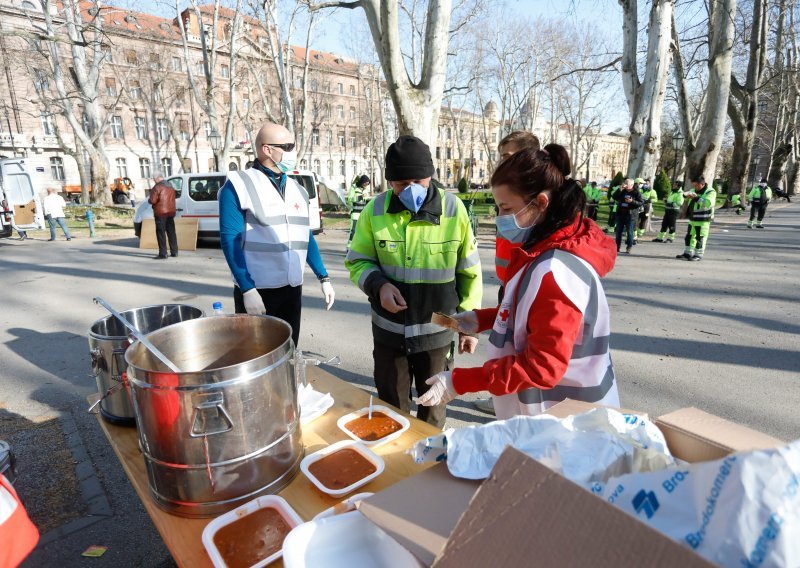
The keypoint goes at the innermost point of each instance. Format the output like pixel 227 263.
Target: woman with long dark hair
pixel 550 334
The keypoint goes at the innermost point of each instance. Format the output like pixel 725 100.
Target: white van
pixel 20 208
pixel 196 197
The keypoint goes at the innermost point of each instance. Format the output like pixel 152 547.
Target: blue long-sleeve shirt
pixel 232 228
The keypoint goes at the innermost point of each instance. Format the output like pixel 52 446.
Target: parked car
pixel 196 197
pixel 19 205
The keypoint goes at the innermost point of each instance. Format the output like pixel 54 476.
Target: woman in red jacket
pixel 550 335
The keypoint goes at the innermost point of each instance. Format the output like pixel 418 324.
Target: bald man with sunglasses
pixel 265 234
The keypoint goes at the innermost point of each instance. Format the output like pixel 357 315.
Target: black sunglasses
pixel 285 147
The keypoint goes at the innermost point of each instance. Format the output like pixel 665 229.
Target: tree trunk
pixel 646 98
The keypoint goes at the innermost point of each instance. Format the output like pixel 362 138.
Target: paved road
pixel 720 335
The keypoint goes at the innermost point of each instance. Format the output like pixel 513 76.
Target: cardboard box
pixel 185 230
pixel 525 514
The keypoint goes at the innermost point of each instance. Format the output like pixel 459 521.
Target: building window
pixel 144 168
pixel 233 166
pixel 328 111
pixel 341 138
pixel 340 111
pixel 163 129
pixel 180 96
pixel 313 84
pixel 352 113
pixel 352 141
pixel 352 90
pixel 47 124
pixel 40 82
pixel 317 168
pixel 207 129
pixel 116 127
pixel 342 168
pixel 246 103
pixel 26 5
pixel 303 164
pixel 155 62
pixel 225 71
pixel 122 168
pixel 111 87
pixel 438 153
pixel 330 168
pixel 354 166
pixel 368 93
pixel 166 166
pixel 177 64
pixel 183 126
pixel 340 88
pixel 57 168
pixel 449 153
pixel 135 90
pixel 449 134
pixel 140 124
pixel 131 57
pixel 315 137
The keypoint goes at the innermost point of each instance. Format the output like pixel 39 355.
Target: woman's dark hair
pixel 530 172
pixel 699 179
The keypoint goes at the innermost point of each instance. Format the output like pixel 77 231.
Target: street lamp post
pixel 677 145
pixel 756 161
pixel 216 143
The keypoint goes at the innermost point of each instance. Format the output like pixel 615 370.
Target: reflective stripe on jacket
pixel 589 375
pixel 18 535
pixel 701 208
pixel 430 256
pixel 276 229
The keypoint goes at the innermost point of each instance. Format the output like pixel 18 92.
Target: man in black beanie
pixel 413 254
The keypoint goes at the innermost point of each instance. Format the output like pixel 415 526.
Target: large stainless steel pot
pixel 108 341
pixel 227 427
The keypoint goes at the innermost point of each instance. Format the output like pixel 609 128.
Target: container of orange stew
pixel 341 468
pixel 386 425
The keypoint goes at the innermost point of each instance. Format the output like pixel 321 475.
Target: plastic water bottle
pixel 217 307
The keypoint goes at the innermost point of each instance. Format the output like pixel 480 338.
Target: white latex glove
pixel 467 322
pixel 441 391
pixel 253 304
pixel 328 294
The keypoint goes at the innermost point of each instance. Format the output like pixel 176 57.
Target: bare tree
pixel 417 102
pixel 702 150
pixel 645 96
pixel 743 103
pixel 220 36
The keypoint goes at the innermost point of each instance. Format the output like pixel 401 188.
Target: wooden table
pixel 183 536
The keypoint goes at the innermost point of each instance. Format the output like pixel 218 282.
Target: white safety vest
pixel 590 375
pixel 276 229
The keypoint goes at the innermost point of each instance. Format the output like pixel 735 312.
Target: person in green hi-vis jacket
pixel 701 210
pixel 649 196
pixel 672 207
pixel 759 198
pixel 612 206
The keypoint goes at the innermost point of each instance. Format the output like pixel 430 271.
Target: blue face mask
pixel 413 196
pixel 509 229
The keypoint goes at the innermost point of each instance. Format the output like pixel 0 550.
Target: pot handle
pixel 209 417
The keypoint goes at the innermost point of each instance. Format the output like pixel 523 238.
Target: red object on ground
pixel 18 535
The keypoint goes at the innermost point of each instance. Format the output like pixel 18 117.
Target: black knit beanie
pixel 408 158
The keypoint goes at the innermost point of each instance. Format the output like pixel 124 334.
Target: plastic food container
pixel 344 541
pixel 265 501
pixel 361 449
pixel 404 423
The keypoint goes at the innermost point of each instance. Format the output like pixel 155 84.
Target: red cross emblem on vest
pixel 297 207
pixel 504 315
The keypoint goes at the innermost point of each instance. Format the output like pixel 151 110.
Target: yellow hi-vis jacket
pixel 431 256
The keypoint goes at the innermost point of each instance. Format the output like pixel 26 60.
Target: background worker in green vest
pixel 649 197
pixel 414 254
pixel 736 202
pixel 672 208
pixel 701 210
pixel 612 206
pixel 356 199
pixel 759 198
pixel 593 194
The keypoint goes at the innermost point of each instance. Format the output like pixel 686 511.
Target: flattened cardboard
pixel 524 514
pixel 420 511
pixel 185 230
pixel 694 435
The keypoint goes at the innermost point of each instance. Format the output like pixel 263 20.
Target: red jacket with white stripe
pixel 18 535
pixel 554 317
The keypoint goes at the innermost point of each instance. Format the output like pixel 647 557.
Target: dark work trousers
pixel 165 229
pixel 395 370
pixel 612 218
pixel 642 221
pixel 591 211
pixel 669 221
pixel 760 208
pixel 625 222
pixel 285 303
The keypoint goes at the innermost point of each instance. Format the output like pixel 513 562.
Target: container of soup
pixel 341 468
pixel 384 426
pixel 251 535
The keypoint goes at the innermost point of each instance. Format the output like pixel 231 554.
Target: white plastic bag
pixel 742 510
pixel 591 446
